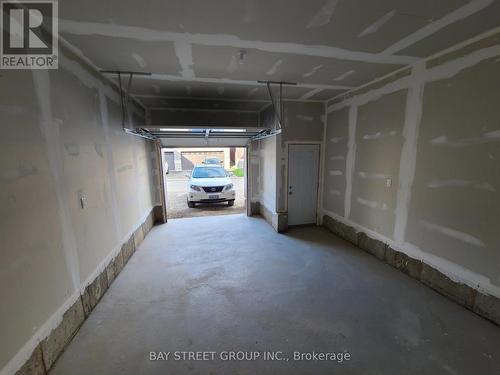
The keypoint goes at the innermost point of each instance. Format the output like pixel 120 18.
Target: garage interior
pixel 372 132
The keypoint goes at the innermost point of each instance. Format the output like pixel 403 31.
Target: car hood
pixel 221 181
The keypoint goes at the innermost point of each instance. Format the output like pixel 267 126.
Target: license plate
pixel 213 197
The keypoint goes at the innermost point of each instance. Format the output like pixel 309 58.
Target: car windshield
pixel 208 172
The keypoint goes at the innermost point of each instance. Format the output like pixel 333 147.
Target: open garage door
pixel 228 125
pixel 204 137
pixel 191 145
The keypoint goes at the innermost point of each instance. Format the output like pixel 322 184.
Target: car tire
pixel 230 203
pixel 191 204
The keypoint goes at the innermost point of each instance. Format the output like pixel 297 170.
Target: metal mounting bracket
pixel 140 132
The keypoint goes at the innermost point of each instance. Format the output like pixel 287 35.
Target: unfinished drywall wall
pixel 267 182
pixel 434 134
pixel 267 117
pixel 262 179
pixel 455 203
pixel 378 141
pixel 335 143
pixel 253 173
pixel 303 122
pixel 73 186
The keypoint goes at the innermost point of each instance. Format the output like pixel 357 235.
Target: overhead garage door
pixel 187 137
pixel 192 158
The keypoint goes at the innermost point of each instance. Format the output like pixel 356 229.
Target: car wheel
pixel 191 204
pixel 230 203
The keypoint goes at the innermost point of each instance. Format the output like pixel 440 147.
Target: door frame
pixel 161 167
pixel 320 168
pixel 163 180
pixel 247 181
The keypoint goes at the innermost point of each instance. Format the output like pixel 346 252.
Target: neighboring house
pixel 183 159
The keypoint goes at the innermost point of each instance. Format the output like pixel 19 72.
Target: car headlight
pixel 195 187
pixel 228 186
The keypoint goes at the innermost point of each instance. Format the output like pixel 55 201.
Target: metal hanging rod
pixel 277 115
pixel 125 72
pixel 125 95
pixel 278 82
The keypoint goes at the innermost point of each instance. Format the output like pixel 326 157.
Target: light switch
pixel 388 182
pixel 83 202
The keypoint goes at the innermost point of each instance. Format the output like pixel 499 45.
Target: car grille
pixel 213 189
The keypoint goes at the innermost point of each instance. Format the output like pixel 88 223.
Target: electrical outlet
pixel 388 182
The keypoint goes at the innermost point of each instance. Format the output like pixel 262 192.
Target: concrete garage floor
pixel 196 286
pixel 177 206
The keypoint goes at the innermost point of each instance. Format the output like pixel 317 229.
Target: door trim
pixel 320 166
pixel 246 181
pixel 163 195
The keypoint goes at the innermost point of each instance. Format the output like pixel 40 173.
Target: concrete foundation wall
pixel 419 167
pixel 73 188
pixel 488 306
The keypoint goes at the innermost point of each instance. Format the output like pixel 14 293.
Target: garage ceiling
pixel 214 50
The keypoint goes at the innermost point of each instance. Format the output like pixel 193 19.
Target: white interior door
pixel 303 169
